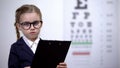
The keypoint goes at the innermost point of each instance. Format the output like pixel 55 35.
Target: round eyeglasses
pixel 27 25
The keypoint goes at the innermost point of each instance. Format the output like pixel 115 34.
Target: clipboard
pixel 50 53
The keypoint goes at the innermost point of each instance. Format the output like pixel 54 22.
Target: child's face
pixel 33 31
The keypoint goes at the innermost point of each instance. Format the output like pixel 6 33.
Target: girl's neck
pixel 33 39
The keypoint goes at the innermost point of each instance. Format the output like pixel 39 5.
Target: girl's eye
pixel 36 22
pixel 25 24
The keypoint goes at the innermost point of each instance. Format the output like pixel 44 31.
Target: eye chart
pixel 92 27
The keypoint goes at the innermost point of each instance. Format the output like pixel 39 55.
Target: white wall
pixel 52 11
pixel 52 18
pixel 119 29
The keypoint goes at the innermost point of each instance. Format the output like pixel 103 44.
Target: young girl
pixel 29 22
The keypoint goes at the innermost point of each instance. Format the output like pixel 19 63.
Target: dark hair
pixel 25 9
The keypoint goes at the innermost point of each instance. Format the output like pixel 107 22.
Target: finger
pixel 59 66
pixel 62 64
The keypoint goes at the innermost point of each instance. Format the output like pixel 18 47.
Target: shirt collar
pixel 29 42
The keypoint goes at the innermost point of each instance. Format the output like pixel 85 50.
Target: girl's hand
pixel 62 65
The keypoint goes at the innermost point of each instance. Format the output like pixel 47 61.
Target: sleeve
pixel 13 60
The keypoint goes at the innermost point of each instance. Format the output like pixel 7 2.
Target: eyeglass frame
pixel 30 23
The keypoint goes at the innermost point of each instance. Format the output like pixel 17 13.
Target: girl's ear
pixel 18 26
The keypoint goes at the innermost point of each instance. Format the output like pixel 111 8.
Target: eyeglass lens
pixel 27 25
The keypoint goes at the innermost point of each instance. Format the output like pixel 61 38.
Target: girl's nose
pixel 32 26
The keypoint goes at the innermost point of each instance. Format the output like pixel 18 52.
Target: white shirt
pixel 31 44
